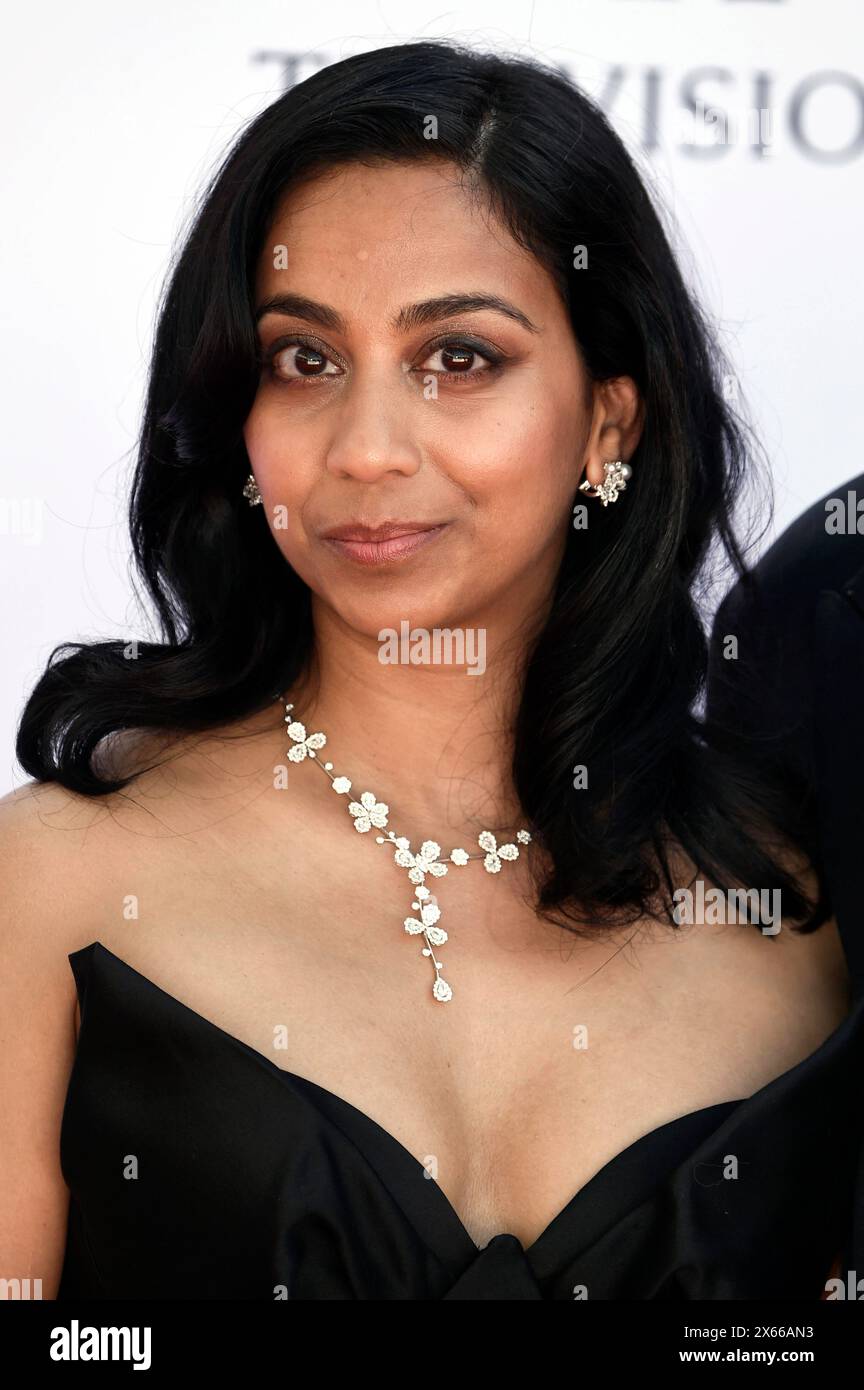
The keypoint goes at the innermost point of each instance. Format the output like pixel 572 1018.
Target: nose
pixel 372 431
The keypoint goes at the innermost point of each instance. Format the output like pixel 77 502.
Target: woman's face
pixel 384 398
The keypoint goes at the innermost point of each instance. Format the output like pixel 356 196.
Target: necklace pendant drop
pixel 369 812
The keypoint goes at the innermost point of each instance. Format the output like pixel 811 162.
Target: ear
pixel 616 426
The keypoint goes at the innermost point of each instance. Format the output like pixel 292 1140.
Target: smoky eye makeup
pixel 479 359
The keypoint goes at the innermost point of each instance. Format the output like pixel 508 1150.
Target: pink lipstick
pixel 382 544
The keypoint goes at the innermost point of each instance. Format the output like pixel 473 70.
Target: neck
pixel 432 741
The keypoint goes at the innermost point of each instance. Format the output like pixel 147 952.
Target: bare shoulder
pixel 60 849
pixel 52 842
pixel 65 856
pixel 66 861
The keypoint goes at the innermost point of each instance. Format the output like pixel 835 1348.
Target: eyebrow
pixel 408 317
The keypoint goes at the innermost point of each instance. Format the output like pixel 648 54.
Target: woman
pixel 432 1024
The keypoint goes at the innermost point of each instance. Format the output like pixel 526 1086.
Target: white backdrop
pixel 113 114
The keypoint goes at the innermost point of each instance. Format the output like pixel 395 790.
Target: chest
pixel 554 1053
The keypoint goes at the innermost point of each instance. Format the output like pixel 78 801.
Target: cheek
pixel 284 489
pixel 272 445
pixel 522 475
pixel 261 436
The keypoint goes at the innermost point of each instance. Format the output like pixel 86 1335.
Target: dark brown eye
pixel 309 361
pixel 306 360
pixel 457 356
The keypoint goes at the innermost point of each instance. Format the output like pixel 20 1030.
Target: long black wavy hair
pixel 615 679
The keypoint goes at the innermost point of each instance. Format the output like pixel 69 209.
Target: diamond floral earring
pixel 614 482
pixel 251 492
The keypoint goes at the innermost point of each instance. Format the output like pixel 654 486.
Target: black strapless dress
pixel 255 1183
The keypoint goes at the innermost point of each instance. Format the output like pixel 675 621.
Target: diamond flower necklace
pixel 369 812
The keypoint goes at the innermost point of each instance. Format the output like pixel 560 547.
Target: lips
pixel 382 544
pixel 384 531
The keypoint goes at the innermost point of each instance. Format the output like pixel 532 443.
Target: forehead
pixel 367 239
